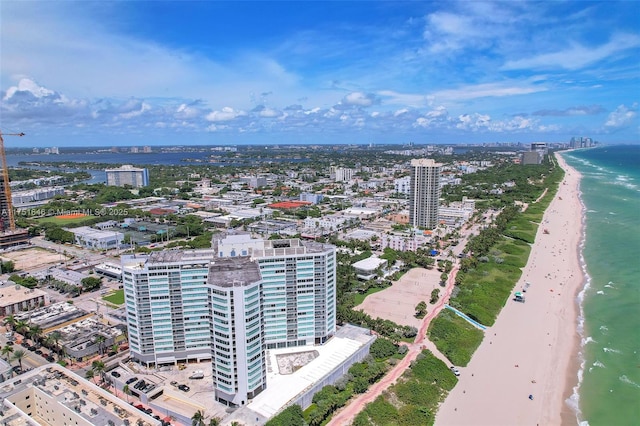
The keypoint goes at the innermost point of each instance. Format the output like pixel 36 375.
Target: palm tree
pixel 100 341
pixel 11 321
pixel 197 419
pixel 90 374
pixel 98 367
pixel 55 339
pixel 18 355
pixel 22 327
pixel 6 350
pixel 35 331
pixel 127 391
pixel 214 421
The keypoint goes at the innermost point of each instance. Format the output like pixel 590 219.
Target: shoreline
pixel 534 348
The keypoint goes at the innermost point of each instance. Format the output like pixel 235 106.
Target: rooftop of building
pixel 283 387
pixel 52 315
pixel 83 398
pixel 11 293
pixel 125 168
pixel 425 162
pixel 369 264
pixel 233 271
pixel 88 232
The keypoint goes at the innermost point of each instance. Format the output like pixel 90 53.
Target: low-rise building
pixel 53 395
pixel 15 298
pixel 367 269
pixel 96 239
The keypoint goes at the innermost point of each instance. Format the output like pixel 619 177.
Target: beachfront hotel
pixel 425 193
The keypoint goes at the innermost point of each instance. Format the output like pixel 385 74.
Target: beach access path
pixel 346 415
pixel 532 349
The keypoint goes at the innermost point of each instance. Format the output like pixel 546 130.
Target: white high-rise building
pixel 167 298
pixel 127 175
pixel 237 347
pixel 167 303
pixel 425 193
pixel 299 287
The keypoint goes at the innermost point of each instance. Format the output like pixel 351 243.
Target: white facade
pixel 402 185
pixel 299 287
pixel 96 239
pixel 402 242
pixel 237 349
pixel 328 223
pixel 425 193
pixel 343 174
pixel 127 175
pixel 167 305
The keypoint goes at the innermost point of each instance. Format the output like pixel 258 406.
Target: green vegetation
pixel 359 297
pixel 91 283
pixel 117 297
pixel 290 416
pixel 74 221
pixel 29 282
pixel 454 337
pixel 414 399
pixel 421 310
pixel 7 266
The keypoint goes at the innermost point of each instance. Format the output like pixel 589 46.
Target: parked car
pixel 115 374
pixel 454 370
pixel 131 380
pixel 50 358
pixel 184 388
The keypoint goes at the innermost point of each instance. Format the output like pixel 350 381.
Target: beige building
pixel 15 298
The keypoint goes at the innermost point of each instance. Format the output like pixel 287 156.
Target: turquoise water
pixel 609 391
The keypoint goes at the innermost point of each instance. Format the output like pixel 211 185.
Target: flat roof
pixel 233 271
pixel 13 293
pixel 283 388
pixel 81 397
pixel 369 264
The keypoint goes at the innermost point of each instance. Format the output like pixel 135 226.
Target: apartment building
pixel 237 347
pixel 167 303
pixel 299 287
pixel 425 193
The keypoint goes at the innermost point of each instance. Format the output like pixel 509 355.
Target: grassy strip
pixel 454 337
pixel 414 399
pixel 116 298
pixel 485 287
pixel 63 222
pixel 359 298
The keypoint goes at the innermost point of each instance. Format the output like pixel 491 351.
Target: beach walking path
pixel 524 371
pixel 346 415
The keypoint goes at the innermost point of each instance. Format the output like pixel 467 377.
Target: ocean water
pixel 609 388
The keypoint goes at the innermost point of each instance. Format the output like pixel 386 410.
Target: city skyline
pixel 224 73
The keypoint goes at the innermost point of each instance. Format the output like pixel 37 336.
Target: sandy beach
pixel 533 347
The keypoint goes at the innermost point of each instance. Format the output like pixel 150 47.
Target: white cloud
pixel 623 116
pixel 576 56
pixel 359 99
pixel 409 99
pixel 226 114
pixel 487 90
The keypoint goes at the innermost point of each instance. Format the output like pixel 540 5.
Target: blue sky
pixel 200 72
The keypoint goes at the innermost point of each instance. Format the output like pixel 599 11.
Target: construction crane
pixel 6 187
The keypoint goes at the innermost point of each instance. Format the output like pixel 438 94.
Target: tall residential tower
pixel 425 193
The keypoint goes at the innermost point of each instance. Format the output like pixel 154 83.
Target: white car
pixel 454 370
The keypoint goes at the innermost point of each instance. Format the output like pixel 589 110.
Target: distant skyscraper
pixel 127 175
pixel 425 193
